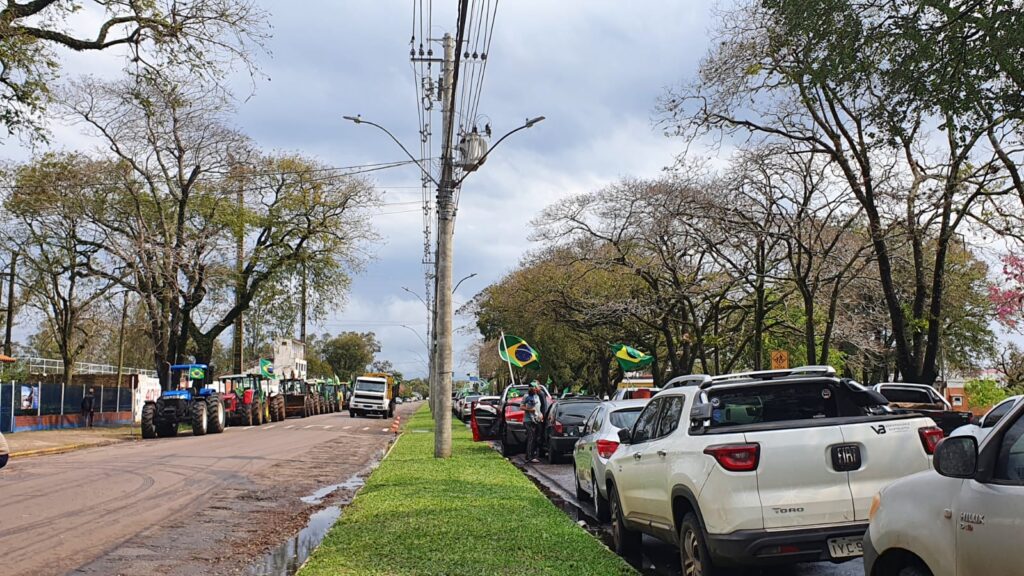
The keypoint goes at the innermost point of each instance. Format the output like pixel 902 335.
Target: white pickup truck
pixel 761 468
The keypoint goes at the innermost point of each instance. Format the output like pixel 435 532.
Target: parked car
pixel 599 439
pixel 760 468
pixel 989 420
pixel 563 423
pixel 923 399
pixel 963 518
pixel 505 424
pixel 5 452
pixel 635 393
pixel 467 407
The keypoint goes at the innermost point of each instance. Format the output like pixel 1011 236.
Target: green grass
pixel 472 514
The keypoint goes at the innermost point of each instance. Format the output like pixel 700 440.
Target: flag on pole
pixel 518 353
pixel 266 368
pixel 630 358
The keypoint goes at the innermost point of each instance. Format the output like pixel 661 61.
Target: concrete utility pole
pixel 10 303
pixel 442 360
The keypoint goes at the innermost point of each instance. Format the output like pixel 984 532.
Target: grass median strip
pixel 472 514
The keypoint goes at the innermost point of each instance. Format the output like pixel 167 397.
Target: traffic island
pixel 474 513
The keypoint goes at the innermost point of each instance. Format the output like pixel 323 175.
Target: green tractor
pixel 245 400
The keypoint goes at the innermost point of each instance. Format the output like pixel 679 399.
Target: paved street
pixel 185 505
pixel 658 558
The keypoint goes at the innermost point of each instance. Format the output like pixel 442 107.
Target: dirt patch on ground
pixel 229 528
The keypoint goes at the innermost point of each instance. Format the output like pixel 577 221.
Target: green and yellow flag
pixel 630 359
pixel 266 368
pixel 196 373
pixel 518 353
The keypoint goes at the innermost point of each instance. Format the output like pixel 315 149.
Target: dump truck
pixel 373 393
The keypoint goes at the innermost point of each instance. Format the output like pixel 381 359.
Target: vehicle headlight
pixel 876 503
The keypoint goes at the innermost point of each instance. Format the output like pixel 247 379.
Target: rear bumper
pixel 563 444
pixel 761 548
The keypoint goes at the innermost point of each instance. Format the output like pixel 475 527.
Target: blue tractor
pixel 198 405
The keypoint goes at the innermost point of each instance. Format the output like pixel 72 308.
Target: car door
pixel 657 461
pixel 989 515
pixel 631 478
pixel 583 453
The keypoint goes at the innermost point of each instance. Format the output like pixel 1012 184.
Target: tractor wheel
pixel 216 414
pixel 307 408
pixel 264 415
pixel 248 415
pixel 279 404
pixel 148 421
pixel 199 420
pixel 272 405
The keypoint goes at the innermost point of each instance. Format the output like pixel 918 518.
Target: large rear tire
pixel 215 412
pixel 199 419
pixel 602 508
pixel 149 421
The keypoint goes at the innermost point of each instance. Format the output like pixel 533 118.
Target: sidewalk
pixel 474 513
pixel 24 444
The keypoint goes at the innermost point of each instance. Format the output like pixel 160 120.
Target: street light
pixel 459 283
pixel 358 120
pixel 414 331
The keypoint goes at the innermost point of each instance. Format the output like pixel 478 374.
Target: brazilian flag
pixel 518 353
pixel 629 358
pixel 196 373
pixel 266 368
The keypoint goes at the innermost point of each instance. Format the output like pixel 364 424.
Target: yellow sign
pixel 780 360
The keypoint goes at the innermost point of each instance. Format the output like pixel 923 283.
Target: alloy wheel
pixel 692 562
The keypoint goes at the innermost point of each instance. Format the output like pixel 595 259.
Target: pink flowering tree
pixel 1008 298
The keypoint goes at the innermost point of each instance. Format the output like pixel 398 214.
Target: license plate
pixel 846 547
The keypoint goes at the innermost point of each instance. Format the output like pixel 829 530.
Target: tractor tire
pixel 247 415
pixel 199 419
pixel 149 421
pixel 215 412
pixel 275 414
pixel 264 417
pixel 307 408
pixel 280 408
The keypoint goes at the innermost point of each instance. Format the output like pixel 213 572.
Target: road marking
pixel 346 427
pixel 247 428
pixel 311 426
pixel 366 428
pixel 269 427
pixel 328 427
pixel 290 426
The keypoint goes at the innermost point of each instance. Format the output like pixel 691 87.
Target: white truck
pixel 373 393
pixel 762 468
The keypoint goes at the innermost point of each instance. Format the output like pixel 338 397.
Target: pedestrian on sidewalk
pixel 532 419
pixel 88 407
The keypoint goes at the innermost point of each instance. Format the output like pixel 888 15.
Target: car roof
pixel 572 399
pixel 615 405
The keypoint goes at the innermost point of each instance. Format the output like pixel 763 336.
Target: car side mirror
pixel 957 457
pixel 625 436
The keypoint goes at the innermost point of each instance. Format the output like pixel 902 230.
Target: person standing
pixel 532 419
pixel 88 407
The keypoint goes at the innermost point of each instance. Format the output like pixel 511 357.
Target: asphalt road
pixel 658 557
pixel 115 509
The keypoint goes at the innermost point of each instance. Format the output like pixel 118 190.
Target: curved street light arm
pixel 410 329
pixel 358 120
pixel 461 281
pixel 529 124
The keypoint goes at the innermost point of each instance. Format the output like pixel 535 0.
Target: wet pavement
pixel 658 558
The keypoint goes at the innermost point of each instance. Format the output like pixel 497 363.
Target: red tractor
pixel 245 400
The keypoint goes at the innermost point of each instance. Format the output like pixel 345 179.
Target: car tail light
pixel 559 429
pixel 736 457
pixel 605 448
pixel 930 438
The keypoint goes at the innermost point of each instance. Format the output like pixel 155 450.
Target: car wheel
pixel 552 454
pixel 914 570
pixel 693 551
pixel 627 542
pixel 601 505
pixel 581 495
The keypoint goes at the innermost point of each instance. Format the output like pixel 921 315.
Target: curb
pixel 58 449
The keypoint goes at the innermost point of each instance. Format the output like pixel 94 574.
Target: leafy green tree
pixel 983 392
pixel 349 353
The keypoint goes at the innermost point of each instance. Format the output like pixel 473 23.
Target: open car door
pixel 484 422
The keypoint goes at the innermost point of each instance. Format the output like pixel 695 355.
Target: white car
pixel 989 420
pixel 466 410
pixel 598 441
pixel 5 453
pixel 762 468
pixel 965 520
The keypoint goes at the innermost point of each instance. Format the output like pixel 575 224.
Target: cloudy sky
pixel 593 68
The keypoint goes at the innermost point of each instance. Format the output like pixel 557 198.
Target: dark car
pixel 563 422
pixel 504 422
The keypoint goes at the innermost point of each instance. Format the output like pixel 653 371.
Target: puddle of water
pixel 287 558
pixel 354 483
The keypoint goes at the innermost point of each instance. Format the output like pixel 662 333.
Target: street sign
pixel 780 360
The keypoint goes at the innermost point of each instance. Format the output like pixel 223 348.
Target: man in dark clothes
pixel 88 405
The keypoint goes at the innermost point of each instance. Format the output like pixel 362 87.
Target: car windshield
pixel 624 418
pixel 575 411
pixel 907 395
pixel 781 402
pixel 368 386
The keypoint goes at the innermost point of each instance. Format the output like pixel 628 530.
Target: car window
pixel 575 412
pixel 594 420
pixel 781 402
pixel 1010 461
pixel 624 418
pixel 672 409
pixel 908 396
pixel 646 423
pixel 996 414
